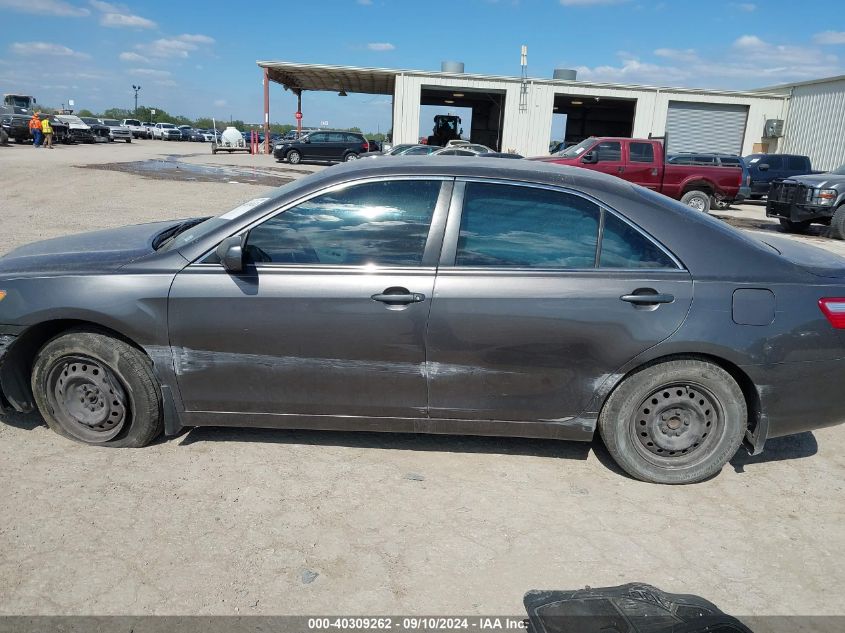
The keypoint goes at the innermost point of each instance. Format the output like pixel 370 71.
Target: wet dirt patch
pixel 169 169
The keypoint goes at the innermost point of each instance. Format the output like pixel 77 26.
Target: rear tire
pixel 789 226
pixel 698 200
pixel 350 157
pixel 129 140
pixel 837 223
pixel 97 389
pixel 676 422
pixel 294 157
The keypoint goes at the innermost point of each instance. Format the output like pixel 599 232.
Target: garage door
pixel 706 127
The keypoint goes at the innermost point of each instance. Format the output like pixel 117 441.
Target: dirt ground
pixel 289 522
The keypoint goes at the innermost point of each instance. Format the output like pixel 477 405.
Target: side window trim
pixel 448 253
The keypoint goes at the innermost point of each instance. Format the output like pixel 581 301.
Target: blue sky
pixel 198 58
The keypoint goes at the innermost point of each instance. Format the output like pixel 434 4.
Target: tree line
pixel 144 114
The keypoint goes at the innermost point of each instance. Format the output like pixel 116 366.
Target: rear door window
pixel 641 152
pixel 526 227
pixel 796 163
pixel 774 162
pixel 622 246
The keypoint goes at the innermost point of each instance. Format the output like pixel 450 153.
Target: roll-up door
pixel 706 127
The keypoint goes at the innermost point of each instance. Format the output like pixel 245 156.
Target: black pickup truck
pixel 803 200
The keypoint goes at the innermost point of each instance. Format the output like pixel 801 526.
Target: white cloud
pixel 589 3
pixel 150 72
pixel 749 62
pixel 45 48
pixel 57 8
pixel 380 46
pixel 220 103
pixel 129 56
pixel 180 46
pixel 829 37
pixel 118 16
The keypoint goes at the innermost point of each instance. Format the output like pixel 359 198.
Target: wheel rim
pixel 87 399
pixel 294 157
pixel 351 157
pixel 697 203
pixel 677 425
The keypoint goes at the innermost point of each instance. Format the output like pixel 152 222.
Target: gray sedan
pixel 491 297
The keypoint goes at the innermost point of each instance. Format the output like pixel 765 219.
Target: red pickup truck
pixel 642 162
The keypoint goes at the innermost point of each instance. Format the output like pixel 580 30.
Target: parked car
pixel 374 146
pixel 17 127
pixel 462 149
pixel 166 132
pixel 81 132
pixel 641 161
pixel 720 160
pixel 149 125
pixel 136 128
pixel 403 150
pixel 322 146
pixel 814 198
pixel 117 131
pixel 101 132
pixel 185 132
pixel 764 168
pixel 584 321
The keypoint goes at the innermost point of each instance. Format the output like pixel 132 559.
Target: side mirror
pixel 590 158
pixel 763 167
pixel 231 253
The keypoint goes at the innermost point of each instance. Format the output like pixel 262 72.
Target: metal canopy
pixel 377 81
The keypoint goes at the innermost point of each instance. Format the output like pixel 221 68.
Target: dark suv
pixel 324 146
pixel 764 168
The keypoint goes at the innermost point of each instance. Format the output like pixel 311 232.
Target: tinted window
pixel 609 150
pixel 798 163
pixel 730 161
pixel 351 138
pixel 641 152
pixel 318 138
pixel 337 137
pixel 774 162
pixel 417 151
pixel 373 223
pixel 504 225
pixel 624 247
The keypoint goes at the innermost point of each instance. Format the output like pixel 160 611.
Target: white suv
pixel 134 125
pixel 167 132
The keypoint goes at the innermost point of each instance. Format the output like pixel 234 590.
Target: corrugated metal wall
pixel 815 125
pixel 706 127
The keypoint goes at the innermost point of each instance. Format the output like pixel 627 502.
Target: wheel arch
pixel 698 184
pixel 756 426
pixel 16 369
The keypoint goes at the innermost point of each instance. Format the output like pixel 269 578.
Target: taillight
pixel 365 146
pixel 834 309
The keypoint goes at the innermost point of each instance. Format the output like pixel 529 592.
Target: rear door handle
pixel 398 296
pixel 648 299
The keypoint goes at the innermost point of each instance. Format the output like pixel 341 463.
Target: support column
pixel 266 111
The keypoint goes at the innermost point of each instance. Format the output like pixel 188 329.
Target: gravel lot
pixel 288 522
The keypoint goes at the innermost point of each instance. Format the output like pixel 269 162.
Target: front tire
pixel 837 223
pixel 698 200
pixel 129 140
pixel 294 157
pixel 97 389
pixel 676 422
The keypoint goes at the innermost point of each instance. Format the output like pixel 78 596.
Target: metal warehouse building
pixel 516 113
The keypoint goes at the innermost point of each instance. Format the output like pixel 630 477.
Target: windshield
pixel 166 125
pixel 111 122
pixel 89 120
pixel 21 102
pixel 132 122
pixel 577 150
pixel 839 171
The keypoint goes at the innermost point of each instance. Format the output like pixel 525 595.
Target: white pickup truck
pixel 138 130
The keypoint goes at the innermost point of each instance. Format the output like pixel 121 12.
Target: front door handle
pixel 648 298
pixel 398 296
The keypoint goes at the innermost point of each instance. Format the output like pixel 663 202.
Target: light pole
pixel 137 89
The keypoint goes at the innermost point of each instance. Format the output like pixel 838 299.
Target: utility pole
pixel 137 89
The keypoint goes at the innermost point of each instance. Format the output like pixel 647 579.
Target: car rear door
pixel 330 316
pixel 641 166
pixel 540 297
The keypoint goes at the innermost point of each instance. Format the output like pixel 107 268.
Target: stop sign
pixel 298 116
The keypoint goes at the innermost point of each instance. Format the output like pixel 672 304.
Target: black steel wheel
pixel 674 422
pixel 87 398
pixel 97 389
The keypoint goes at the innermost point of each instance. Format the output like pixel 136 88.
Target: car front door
pixel 609 156
pixel 328 317
pixel 537 303
pixel 316 147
